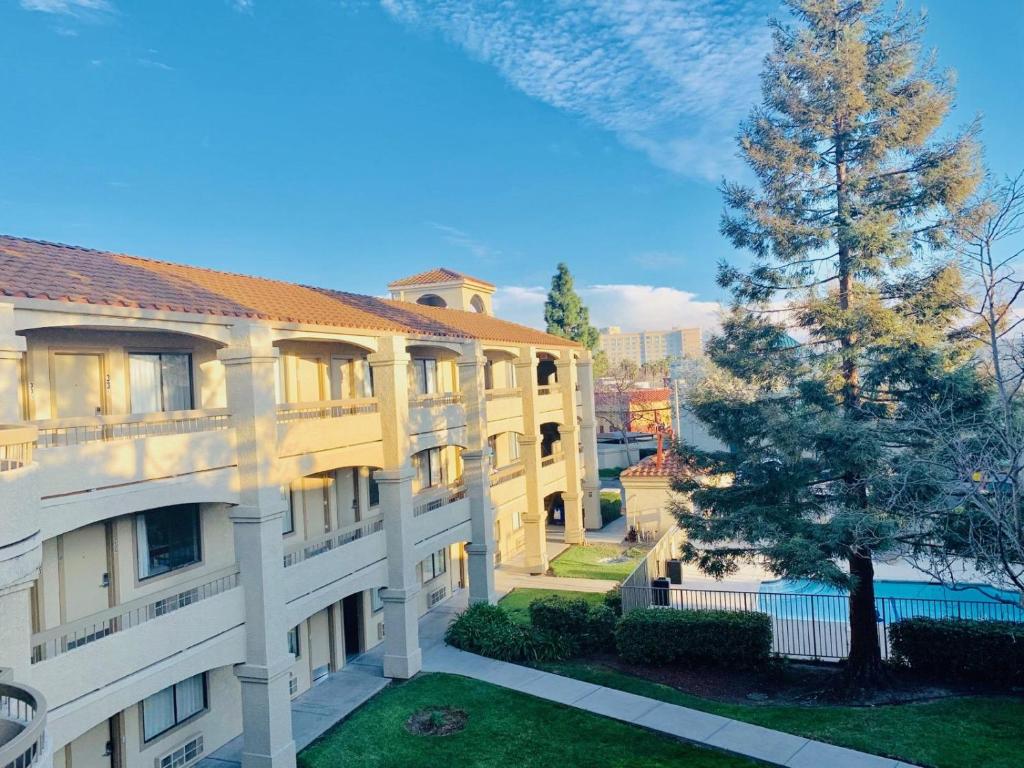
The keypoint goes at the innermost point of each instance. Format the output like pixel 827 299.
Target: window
pixel 293 642
pixel 173 706
pixel 160 382
pixel 374 490
pixel 288 520
pixel 492 444
pixel 513 446
pixel 435 565
pixel 428 468
pixel 367 378
pixel 489 374
pixel 512 376
pixel 425 373
pixel 167 539
pixel 377 599
pixel 517 519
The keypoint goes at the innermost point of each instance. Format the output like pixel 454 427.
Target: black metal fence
pixel 810 626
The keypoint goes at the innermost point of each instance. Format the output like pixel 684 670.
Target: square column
pixel 534 516
pixel 569 434
pixel 476 465
pixel 588 437
pixel 390 364
pixel 249 365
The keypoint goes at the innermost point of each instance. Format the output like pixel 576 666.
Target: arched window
pixel 431 300
pixel 477 303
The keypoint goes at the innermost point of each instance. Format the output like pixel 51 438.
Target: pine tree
pixel 564 312
pixel 846 232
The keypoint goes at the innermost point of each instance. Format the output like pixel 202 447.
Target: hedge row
pixel 582 626
pixel 488 630
pixel 961 649
pixel 657 636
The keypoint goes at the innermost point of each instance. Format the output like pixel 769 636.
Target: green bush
pixel 660 636
pixel 611 507
pixel 488 630
pixel 960 649
pixel 582 626
pixel 613 599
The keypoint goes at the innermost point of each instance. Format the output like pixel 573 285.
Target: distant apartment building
pixel 216 490
pixel 648 346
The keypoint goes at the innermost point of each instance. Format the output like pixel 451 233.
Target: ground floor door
pixel 319 646
pixel 352 621
pixel 93 749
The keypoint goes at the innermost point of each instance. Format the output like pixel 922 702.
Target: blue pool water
pixel 894 600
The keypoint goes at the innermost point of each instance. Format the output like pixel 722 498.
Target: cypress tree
pixel 565 313
pixel 845 232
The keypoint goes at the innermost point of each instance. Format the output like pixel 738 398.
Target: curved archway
pixel 432 300
pixel 477 304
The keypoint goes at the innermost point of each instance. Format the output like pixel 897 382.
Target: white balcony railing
pixel 326 409
pixel 431 499
pixel 498 394
pixel 332 540
pixel 436 399
pixel 16 444
pixel 55 433
pixel 89 629
pixel 23 711
pixel 507 473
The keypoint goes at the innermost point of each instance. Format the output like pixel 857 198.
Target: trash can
pixel 675 571
pixel 659 591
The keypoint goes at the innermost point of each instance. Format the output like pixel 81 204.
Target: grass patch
pixel 502 728
pixel 961 732
pixel 584 561
pixel 517 602
pixel 611 507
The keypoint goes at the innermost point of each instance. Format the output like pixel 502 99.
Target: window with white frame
pixel 374 490
pixel 288 519
pixel 160 381
pixel 427 465
pixel 293 642
pixel 167 539
pixel 513 446
pixel 173 706
pixel 377 599
pixel 425 374
pixel 366 380
pixel 434 566
pixel 517 519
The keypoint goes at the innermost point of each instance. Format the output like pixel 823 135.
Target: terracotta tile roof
pixel 41 270
pixel 654 395
pixel 671 465
pixel 433 276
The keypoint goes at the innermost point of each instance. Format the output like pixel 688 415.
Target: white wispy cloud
pixel 462 239
pixel 631 307
pixel 69 7
pixel 242 6
pixel 669 78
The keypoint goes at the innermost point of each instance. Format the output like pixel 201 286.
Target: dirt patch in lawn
pixel 436 721
pixel 787 683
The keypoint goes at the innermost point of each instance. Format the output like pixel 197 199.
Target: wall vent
pixel 380 630
pixel 436 596
pixel 293 685
pixel 184 755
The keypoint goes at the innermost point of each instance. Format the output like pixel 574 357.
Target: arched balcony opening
pixel 547 372
pixel 433 376
pixel 506 457
pixel 550 440
pixel 437 478
pixel 311 372
pixel 432 300
pixel 554 508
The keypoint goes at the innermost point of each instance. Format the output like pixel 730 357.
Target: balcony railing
pixel 508 472
pixel 75 634
pixel 333 540
pixel 16 444
pixel 24 710
pixel 548 389
pixel 554 458
pixel 56 433
pixel 326 409
pixel 498 394
pixel 436 399
pixel 437 499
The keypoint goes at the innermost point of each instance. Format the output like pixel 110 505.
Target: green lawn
pixel 582 561
pixel 963 732
pixel 504 729
pixel 517 602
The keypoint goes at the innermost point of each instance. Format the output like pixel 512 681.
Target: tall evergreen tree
pixel 845 229
pixel 565 313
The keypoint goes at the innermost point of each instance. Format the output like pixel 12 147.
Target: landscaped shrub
pixel 961 649
pixel 613 599
pixel 659 636
pixel 488 630
pixel 611 507
pixel 583 627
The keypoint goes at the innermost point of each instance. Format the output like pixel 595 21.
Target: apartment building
pixel 650 346
pixel 217 489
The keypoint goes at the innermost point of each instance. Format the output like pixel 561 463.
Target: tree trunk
pixel 864 666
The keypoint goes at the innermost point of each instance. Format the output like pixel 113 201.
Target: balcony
pixel 504 405
pixel 79 455
pixel 439 511
pixel 321 426
pixel 16 445
pixel 552 469
pixel 549 400
pixel 508 483
pixel 22 727
pixel 436 411
pixel 332 540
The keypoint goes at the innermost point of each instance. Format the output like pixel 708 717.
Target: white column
pixel 588 436
pixel 534 516
pixel 476 468
pixel 249 364
pixel 569 435
pixel 402 656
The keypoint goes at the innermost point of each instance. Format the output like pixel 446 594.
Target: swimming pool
pixel 894 600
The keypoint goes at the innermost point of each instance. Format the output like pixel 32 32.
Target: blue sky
pixel 349 143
